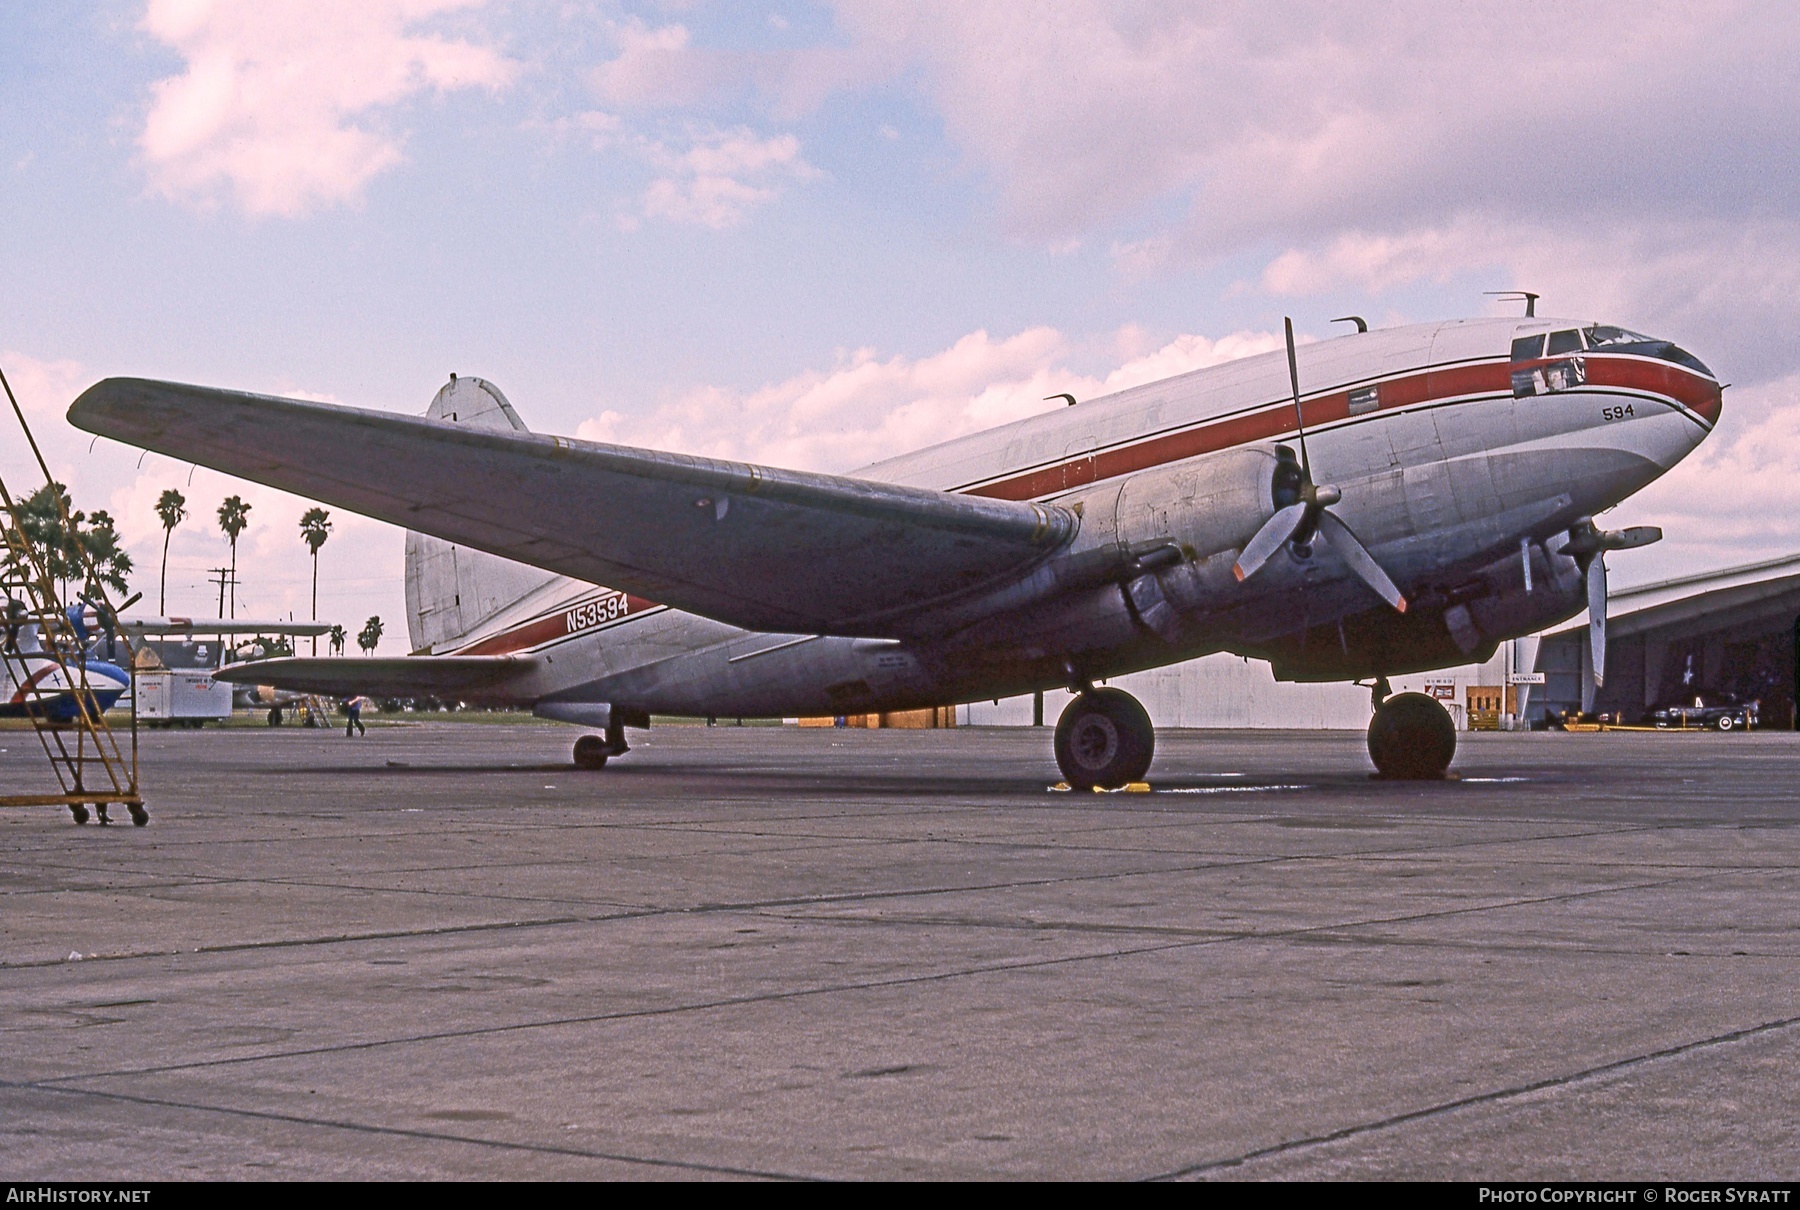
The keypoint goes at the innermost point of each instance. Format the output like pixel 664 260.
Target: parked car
pixel 1720 711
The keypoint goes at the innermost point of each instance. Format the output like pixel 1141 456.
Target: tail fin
pixel 451 590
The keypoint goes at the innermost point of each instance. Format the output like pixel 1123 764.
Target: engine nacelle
pixel 1203 506
pixel 1446 625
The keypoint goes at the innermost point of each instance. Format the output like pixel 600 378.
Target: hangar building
pixel 1730 631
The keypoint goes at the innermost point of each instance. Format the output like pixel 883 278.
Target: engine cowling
pixel 1203 506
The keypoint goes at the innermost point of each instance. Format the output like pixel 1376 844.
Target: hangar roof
pixel 1686 598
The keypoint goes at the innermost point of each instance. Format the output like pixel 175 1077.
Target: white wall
pixel 1230 691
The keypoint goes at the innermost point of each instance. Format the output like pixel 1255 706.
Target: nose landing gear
pixel 1104 739
pixel 1411 737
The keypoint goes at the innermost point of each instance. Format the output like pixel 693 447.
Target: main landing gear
pixel 1104 739
pixel 593 751
pixel 1411 737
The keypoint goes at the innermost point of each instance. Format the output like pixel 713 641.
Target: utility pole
pixel 223 576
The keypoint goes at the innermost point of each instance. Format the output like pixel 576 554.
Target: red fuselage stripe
pixel 547 629
pixel 1699 394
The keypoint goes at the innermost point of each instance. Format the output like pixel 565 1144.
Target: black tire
pixel 139 816
pixel 1104 738
pixel 275 717
pixel 591 752
pixel 79 812
pixel 1411 738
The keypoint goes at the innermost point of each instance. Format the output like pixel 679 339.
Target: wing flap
pixel 752 546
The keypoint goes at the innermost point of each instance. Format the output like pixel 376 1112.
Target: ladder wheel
pixel 79 812
pixel 139 816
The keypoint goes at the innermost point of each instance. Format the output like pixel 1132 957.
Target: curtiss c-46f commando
pixel 1381 503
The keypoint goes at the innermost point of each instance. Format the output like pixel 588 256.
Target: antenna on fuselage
pixel 1064 395
pixel 1526 296
pixel 1362 325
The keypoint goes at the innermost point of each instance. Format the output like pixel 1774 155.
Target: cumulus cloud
pixel 704 175
pixel 719 176
pixel 701 175
pixel 1737 497
pixel 1589 153
pixel 867 407
pixel 1723 288
pixel 659 66
pixel 280 103
pixel 1311 115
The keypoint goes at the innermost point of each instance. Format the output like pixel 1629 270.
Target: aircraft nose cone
pixel 1710 404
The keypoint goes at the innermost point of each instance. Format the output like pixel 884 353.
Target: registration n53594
pixel 608 608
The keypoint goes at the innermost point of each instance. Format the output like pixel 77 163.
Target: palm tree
pixel 59 534
pixel 40 525
pixel 106 559
pixel 337 637
pixel 172 508
pixel 234 515
pixel 370 636
pixel 315 527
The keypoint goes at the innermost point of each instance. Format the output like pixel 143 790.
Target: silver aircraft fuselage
pixel 1464 452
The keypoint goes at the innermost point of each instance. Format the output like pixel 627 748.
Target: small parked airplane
pixel 1385 502
pixel 36 680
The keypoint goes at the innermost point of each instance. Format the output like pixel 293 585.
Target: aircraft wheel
pixel 1104 738
pixel 1411 738
pixel 1726 722
pixel 275 717
pixel 79 812
pixel 591 752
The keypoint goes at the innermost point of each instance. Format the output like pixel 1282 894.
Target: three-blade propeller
pixel 1588 545
pixel 1308 516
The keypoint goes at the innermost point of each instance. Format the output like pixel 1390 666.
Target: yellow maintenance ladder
pixel 91 765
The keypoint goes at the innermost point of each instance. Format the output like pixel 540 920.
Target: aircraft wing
pixel 398 676
pixel 206 626
pixel 752 546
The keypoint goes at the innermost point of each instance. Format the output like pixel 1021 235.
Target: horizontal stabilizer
pixel 398 676
pixel 791 552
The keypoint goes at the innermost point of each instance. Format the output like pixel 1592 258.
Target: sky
pixel 819 234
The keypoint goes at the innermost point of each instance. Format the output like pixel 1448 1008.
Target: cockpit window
pixel 1544 365
pixel 1564 342
pixel 1603 338
pixel 1528 348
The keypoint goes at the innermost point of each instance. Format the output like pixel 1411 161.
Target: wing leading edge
pixel 752 546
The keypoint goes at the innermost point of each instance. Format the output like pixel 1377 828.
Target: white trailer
pixel 181 697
